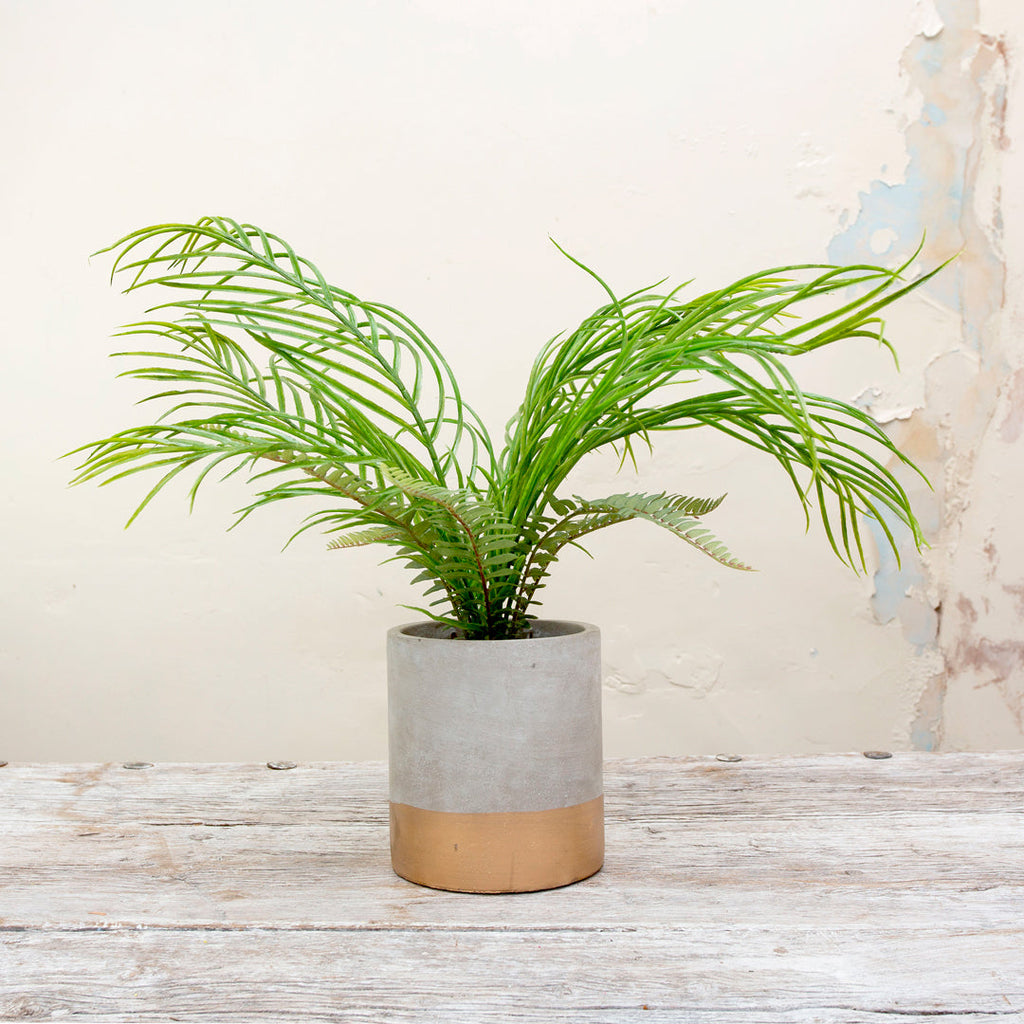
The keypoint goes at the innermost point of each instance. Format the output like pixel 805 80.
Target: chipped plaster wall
pixel 961 604
pixel 453 137
pixel 980 578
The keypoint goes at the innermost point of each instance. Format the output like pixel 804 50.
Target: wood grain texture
pixel 789 890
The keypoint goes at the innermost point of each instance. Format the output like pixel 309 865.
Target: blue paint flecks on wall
pixel 896 582
pixel 893 207
pixel 930 199
pixel 909 209
pixel 890 588
pixel 959 74
pixel 923 738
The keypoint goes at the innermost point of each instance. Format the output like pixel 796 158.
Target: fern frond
pixel 679 514
pixel 361 538
pixel 473 549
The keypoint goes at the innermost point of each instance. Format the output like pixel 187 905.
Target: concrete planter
pixel 495 758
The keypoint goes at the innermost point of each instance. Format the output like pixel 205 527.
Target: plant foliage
pixel 265 368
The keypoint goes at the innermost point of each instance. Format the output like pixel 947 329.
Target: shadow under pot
pixel 495 757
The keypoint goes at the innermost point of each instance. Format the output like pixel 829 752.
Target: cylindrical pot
pixel 495 757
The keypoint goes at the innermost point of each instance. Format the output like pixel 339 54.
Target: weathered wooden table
pixel 799 889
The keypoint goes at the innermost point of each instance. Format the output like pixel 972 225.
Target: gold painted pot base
pixel 510 851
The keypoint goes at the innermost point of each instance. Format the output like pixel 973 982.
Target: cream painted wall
pixel 421 153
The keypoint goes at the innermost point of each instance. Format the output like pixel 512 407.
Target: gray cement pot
pixel 495 758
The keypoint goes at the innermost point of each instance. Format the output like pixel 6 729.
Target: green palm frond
pixel 262 367
pixel 595 387
pixel 336 362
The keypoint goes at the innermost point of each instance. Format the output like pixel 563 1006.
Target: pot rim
pixel 426 630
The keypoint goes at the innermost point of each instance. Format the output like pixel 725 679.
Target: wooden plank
pixel 270 876
pixel 827 888
pixel 833 785
pixel 230 794
pixel 739 974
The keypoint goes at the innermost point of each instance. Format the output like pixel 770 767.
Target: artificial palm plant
pixel 267 368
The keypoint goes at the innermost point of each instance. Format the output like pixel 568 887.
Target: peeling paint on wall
pixel 950 196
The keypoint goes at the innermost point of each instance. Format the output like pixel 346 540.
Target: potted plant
pixel 494 715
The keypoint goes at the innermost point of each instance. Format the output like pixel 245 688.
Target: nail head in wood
pixel 877 755
pixel 136 766
pixel 282 766
pixel 728 757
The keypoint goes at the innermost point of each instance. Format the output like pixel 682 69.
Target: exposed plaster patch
pixel 927 726
pixel 991 556
pixel 1016 591
pixel 991 662
pixel 950 197
pixel 998 663
pixel 926 19
pixel 996 45
pixel 881 241
pixel 967 610
pixel 873 400
pixel 696 670
pixel 1013 421
pixel 622 682
pixel 811 170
